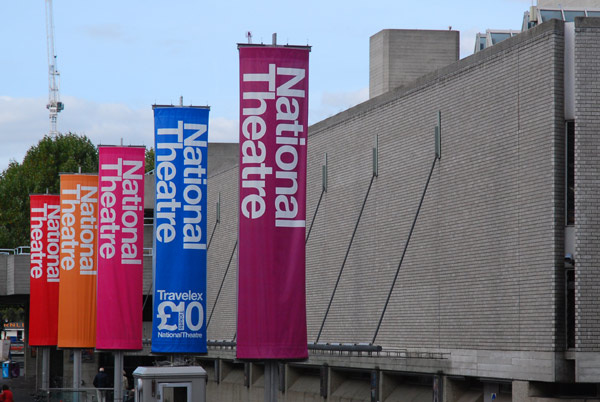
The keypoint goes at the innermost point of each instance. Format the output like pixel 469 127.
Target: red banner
pixel 120 248
pixel 44 278
pixel 272 216
pixel 78 268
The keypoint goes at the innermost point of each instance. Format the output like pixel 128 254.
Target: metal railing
pixel 75 395
pixel 21 250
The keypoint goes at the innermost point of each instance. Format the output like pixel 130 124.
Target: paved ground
pixel 21 387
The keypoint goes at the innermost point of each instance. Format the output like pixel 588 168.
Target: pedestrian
pixel 101 381
pixel 125 387
pixel 6 395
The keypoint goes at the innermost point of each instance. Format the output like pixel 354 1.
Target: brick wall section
pixel 222 325
pixel 481 269
pixel 587 184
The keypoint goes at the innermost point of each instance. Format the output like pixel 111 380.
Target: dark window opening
pixel 147 308
pixel 570 307
pixel 570 15
pixel 547 15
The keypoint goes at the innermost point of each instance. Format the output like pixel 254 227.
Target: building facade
pixel 494 296
pixel 462 272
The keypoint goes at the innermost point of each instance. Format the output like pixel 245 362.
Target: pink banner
pixel 45 269
pixel 272 189
pixel 120 248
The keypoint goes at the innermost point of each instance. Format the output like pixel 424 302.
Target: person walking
pixel 125 387
pixel 101 381
pixel 6 395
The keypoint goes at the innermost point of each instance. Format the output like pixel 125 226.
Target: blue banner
pixel 179 319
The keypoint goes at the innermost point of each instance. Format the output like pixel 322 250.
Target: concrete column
pixel 334 380
pixel 453 389
pixel 118 378
pixel 520 391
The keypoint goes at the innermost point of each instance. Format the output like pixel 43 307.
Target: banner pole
pixel 76 372
pixel 271 380
pixel 118 381
pixel 45 367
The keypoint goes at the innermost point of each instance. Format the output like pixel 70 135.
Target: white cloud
pixel 221 129
pixel 111 32
pixel 24 121
pixel 330 103
pixel 106 123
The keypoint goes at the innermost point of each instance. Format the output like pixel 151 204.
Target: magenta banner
pixel 120 248
pixel 272 195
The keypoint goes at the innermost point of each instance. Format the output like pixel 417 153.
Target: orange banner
pixel 78 258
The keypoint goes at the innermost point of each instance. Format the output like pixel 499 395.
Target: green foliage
pixel 12 313
pixel 39 173
pixel 149 159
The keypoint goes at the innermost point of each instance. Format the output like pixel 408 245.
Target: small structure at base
pixel 179 383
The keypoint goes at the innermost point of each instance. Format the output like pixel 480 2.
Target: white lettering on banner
pixel 194 178
pixel 51 215
pixel 84 197
pixel 253 151
pixel 128 173
pixel 189 311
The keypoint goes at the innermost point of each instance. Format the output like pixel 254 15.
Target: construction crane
pixel 54 104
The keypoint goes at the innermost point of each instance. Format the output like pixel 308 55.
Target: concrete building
pixel 400 56
pixel 494 298
pixel 494 295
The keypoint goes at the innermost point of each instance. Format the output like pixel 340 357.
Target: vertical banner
pixel 44 278
pixel 120 248
pixel 181 139
pixel 78 269
pixel 271 314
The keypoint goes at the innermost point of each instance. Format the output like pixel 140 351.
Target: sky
pixel 118 58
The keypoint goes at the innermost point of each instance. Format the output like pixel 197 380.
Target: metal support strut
pixel 405 248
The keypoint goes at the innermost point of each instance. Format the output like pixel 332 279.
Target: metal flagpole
pixel 45 367
pixel 271 380
pixel 118 381
pixel 76 372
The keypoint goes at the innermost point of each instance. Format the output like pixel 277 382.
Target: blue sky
pixel 117 58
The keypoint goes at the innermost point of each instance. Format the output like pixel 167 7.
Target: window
pixel 593 13
pixel 570 15
pixel 570 307
pixel 547 15
pixel 175 392
pixel 499 37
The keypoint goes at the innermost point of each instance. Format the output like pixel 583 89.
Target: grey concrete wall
pixel 17 275
pixel 3 274
pixel 18 269
pixel 399 56
pixel 587 194
pixel 484 267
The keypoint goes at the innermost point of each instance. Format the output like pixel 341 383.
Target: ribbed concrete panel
pixel 3 274
pixel 20 267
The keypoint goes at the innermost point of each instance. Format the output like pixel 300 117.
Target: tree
pixel 12 313
pixel 39 173
pixel 149 159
